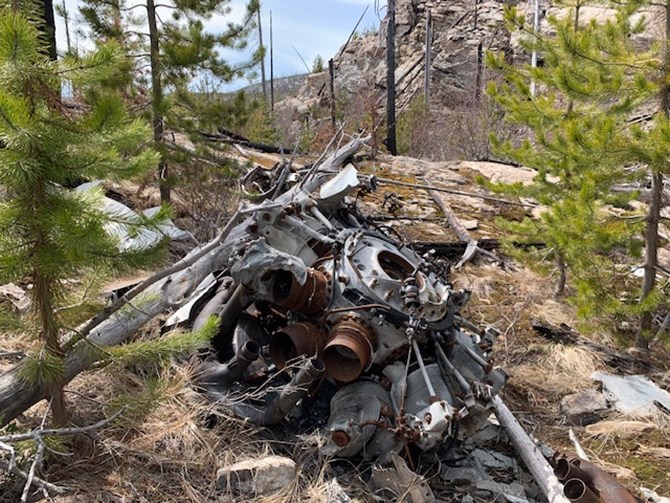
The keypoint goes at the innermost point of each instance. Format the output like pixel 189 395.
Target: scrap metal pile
pixel 315 293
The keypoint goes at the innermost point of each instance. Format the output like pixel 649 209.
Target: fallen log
pixel 461 232
pixel 18 394
pixel 532 457
pixel 457 248
pixel 226 136
pixel 625 362
pixel 167 289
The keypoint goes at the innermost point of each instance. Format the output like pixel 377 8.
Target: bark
pixel 157 100
pixel 654 211
pixel 559 291
pixel 50 29
pixel 230 137
pixel 390 80
pixel 44 287
pixel 260 41
pixel 531 455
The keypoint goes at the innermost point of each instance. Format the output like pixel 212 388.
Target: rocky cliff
pixel 462 32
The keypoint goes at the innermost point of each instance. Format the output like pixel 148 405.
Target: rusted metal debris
pixel 314 292
pixel 584 482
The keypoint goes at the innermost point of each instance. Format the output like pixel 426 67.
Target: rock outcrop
pixel 462 32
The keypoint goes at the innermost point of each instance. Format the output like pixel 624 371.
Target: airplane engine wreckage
pixel 315 293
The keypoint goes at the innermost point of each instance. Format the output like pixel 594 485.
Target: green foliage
pixel 43 368
pixel 317 65
pixel 408 124
pixel 150 352
pixel 49 233
pixel 136 406
pixel 594 75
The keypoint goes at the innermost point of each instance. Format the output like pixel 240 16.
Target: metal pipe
pixel 213 306
pixel 275 410
pixel 298 388
pixel 475 357
pixel 578 492
pixel 223 375
pixel 609 489
pixel 424 373
pixel 349 349
pixel 321 218
pixel 302 338
pixel 308 231
pixel 453 371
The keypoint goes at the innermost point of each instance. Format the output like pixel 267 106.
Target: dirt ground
pixel 169 442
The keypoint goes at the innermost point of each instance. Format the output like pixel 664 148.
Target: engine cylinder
pixel 349 349
pixel 309 299
pixel 295 340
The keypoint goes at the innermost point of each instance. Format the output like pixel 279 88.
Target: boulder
pixel 586 407
pixel 257 476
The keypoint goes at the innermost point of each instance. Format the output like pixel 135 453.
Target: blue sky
pixel 313 27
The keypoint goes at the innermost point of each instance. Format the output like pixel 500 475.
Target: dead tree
pixel 390 80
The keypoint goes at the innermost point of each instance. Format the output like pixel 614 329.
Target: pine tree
pixel 317 64
pixel 180 51
pixel 48 233
pixel 594 76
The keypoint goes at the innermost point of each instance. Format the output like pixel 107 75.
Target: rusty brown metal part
pixel 310 298
pixel 349 349
pixel 597 480
pixel 340 438
pixel 302 338
pixel 577 491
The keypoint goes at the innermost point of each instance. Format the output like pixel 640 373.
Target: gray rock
pixel 494 460
pixel 257 476
pixel 585 407
pixel 463 474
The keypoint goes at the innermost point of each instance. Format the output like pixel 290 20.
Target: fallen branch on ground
pixel 461 232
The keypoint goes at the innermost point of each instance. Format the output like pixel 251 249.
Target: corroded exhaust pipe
pixel 578 492
pixel 223 375
pixel 310 298
pixel 349 349
pixel 302 338
pixel 600 483
pixel 298 388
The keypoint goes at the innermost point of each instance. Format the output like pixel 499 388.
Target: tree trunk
pixel 157 100
pixel 654 212
pixel 43 308
pixel 559 291
pixel 49 29
pixel 43 301
pixel 260 41
pixel 390 80
pixel 66 21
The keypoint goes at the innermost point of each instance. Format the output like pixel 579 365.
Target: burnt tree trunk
pixel 390 80
pixel 157 100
